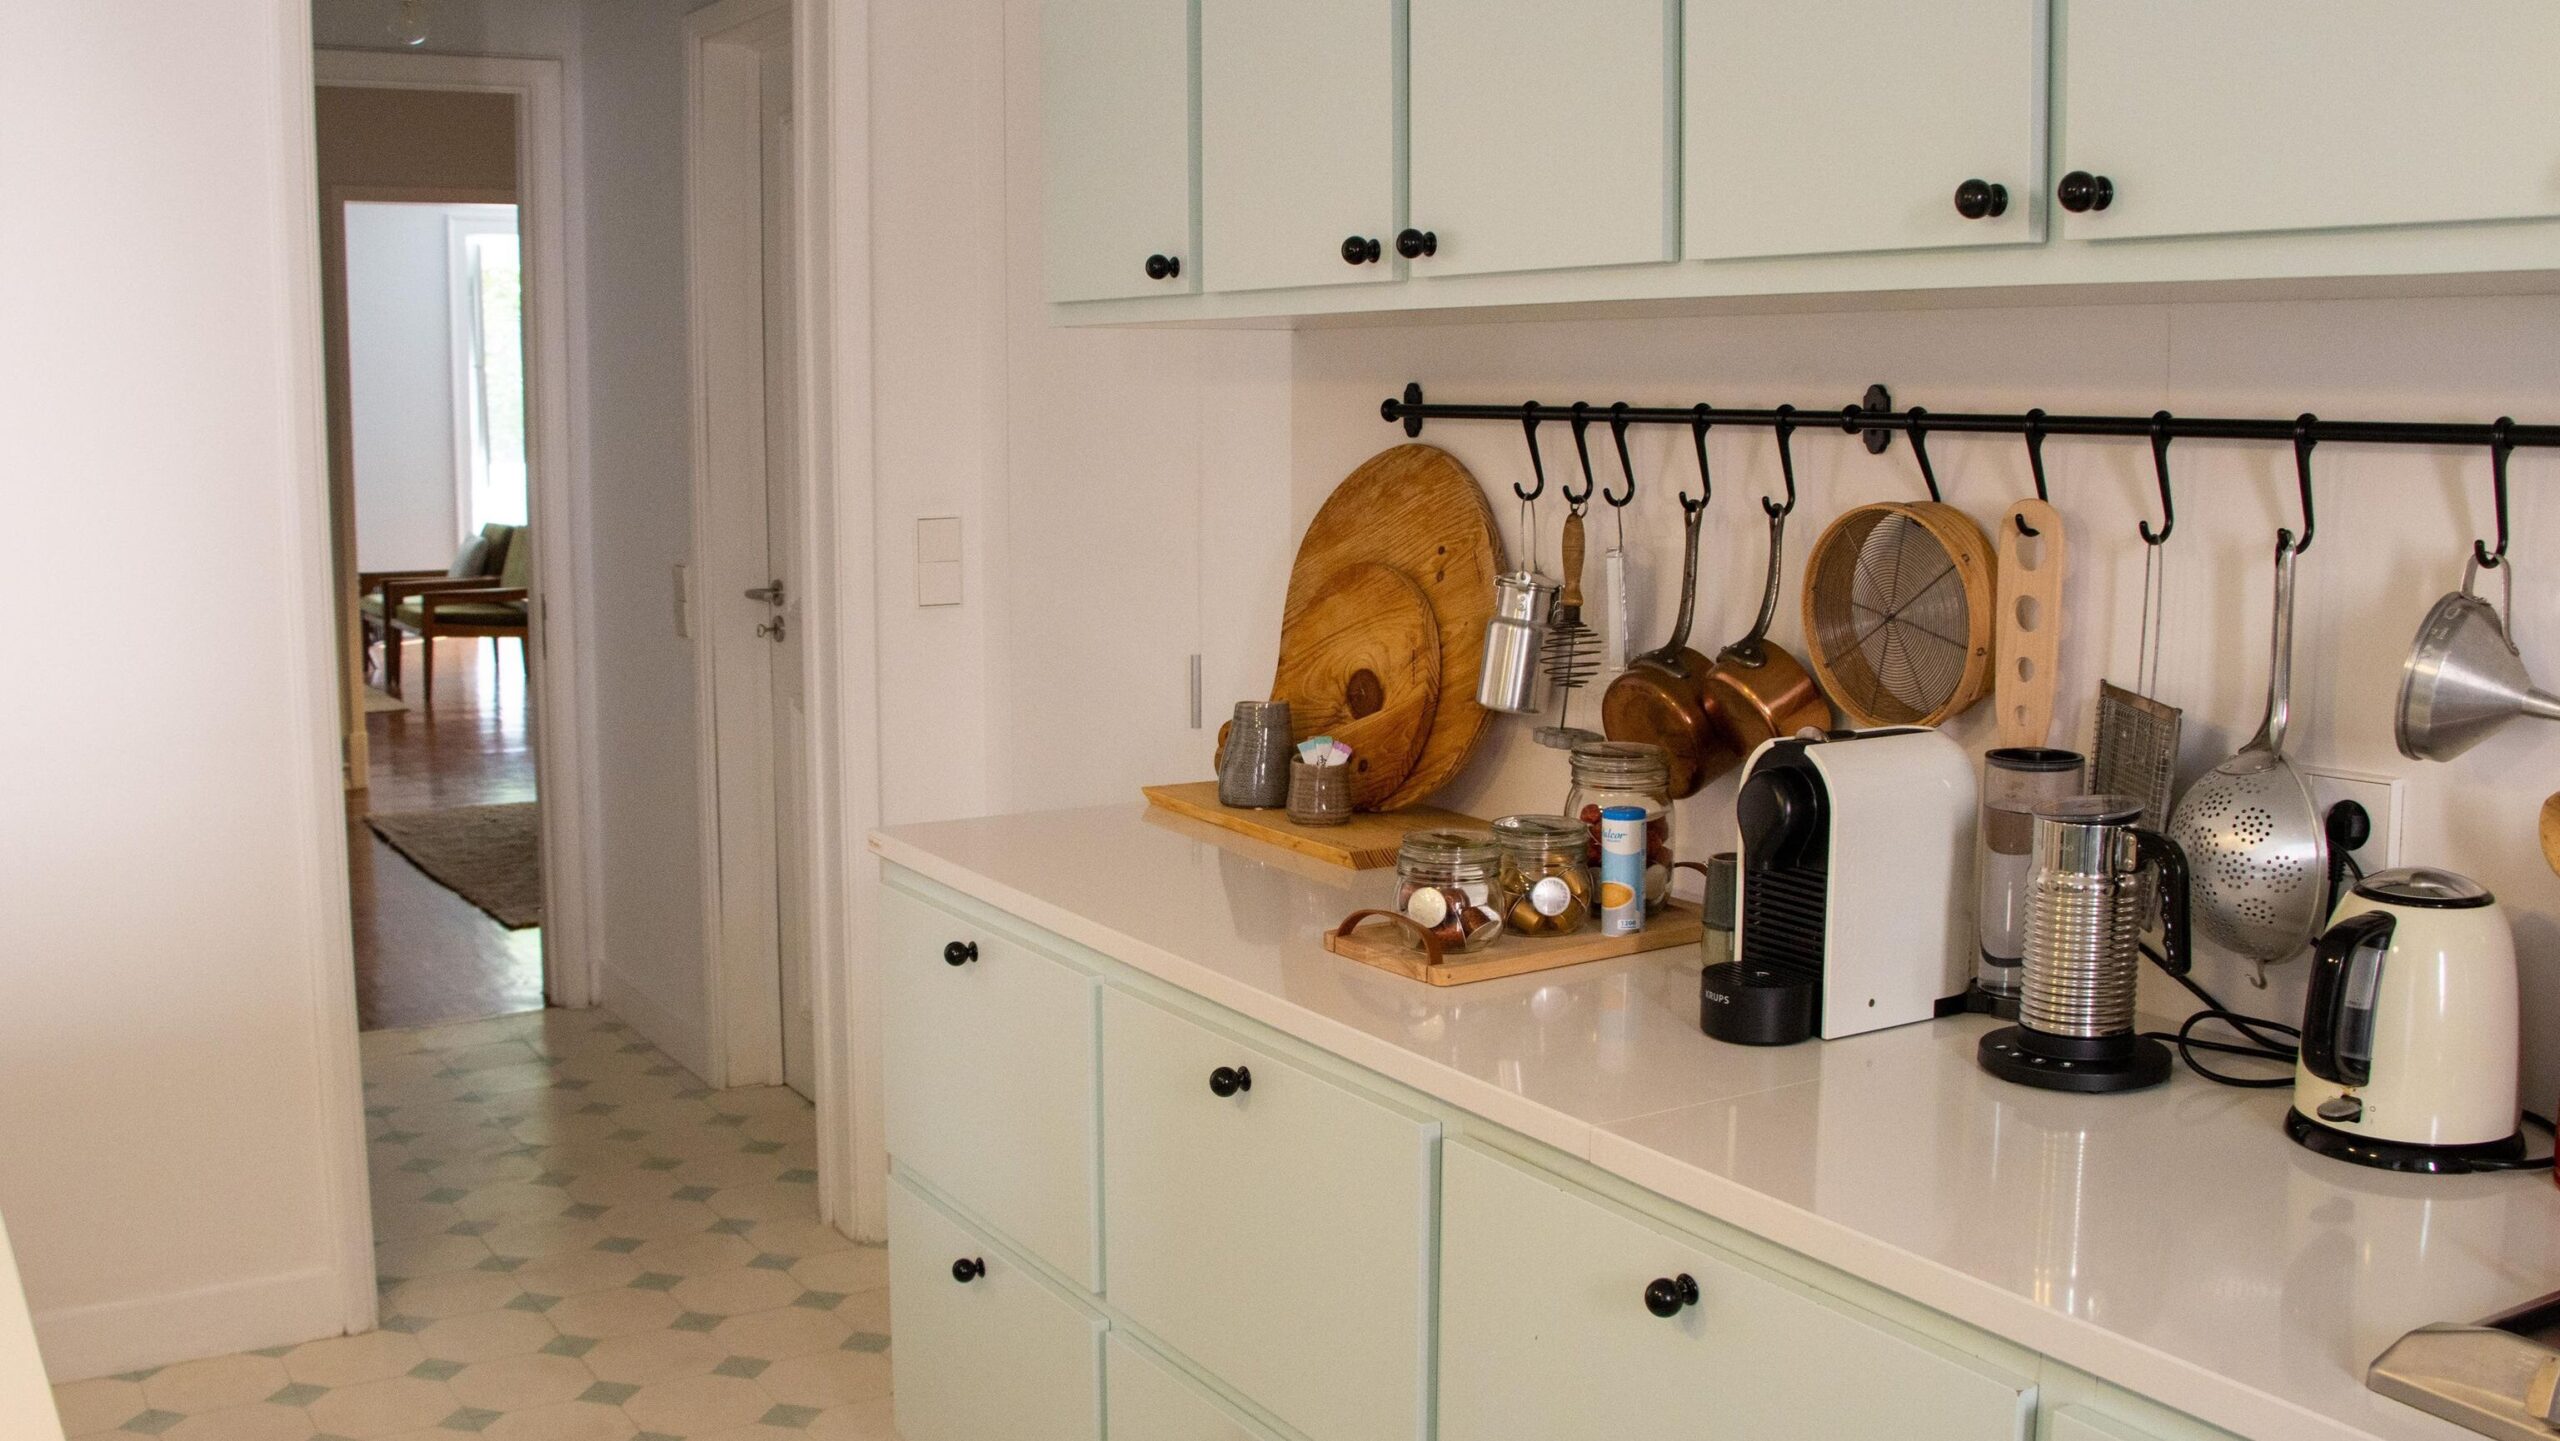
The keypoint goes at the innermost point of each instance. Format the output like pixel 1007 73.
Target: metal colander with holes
pixel 2257 857
pixel 1897 613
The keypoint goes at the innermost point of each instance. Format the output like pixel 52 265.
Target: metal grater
pixel 2136 752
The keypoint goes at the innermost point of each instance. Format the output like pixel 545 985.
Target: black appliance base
pixel 2399 1155
pixel 2116 1063
pixel 1978 1002
pixel 1756 1006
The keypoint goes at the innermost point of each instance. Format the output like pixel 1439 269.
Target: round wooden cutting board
pixel 1360 662
pixel 1414 509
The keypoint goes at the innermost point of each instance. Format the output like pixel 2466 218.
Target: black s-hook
pixel 2500 446
pixel 1786 429
pixel 2035 462
pixel 1581 447
pixel 2304 437
pixel 1920 448
pixel 2160 468
pixel 1529 431
pixel 1618 433
pixel 1706 479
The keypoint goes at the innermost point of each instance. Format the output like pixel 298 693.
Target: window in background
pixel 488 352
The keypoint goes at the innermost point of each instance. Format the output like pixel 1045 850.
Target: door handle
pixel 770 594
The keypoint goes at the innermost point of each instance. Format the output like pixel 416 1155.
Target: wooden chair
pixel 494 611
pixel 382 595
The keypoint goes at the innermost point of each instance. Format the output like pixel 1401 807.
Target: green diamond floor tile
pixel 301 1393
pixel 569 1345
pixel 693 1321
pixel 745 1367
pixel 869 1342
pixel 432 1369
pixel 609 1393
pixel 797 1418
pixel 469 1418
pixel 153 1422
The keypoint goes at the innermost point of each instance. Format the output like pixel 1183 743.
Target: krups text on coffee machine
pixel 1856 869
pixel 2409 1039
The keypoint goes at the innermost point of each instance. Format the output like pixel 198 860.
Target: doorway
pixel 750 624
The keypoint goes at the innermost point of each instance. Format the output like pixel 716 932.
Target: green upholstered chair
pixel 383 595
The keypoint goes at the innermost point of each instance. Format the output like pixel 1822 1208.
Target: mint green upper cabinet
pixel 1116 134
pixel 2207 117
pixel 1817 127
pixel 1543 139
pixel 1301 141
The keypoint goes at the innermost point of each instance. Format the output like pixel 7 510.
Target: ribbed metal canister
pixel 2084 910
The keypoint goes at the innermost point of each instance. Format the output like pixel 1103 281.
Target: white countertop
pixel 2171 1241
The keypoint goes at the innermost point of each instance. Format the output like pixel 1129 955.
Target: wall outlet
pixel 2380 797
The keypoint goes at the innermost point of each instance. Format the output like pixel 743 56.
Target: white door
pixel 1301 130
pixel 782 549
pixel 2206 117
pixel 1538 145
pixel 1116 127
pixel 1824 126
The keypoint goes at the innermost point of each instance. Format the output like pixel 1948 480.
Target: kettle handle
pixel 2177 942
pixel 2324 1011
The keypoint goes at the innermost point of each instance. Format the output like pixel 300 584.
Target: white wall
pixel 400 385
pixel 176 996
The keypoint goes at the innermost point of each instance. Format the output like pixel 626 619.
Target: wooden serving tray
pixel 1365 842
pixel 1381 943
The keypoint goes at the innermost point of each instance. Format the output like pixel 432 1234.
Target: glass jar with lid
pixel 1626 773
pixel 1445 884
pixel 1545 885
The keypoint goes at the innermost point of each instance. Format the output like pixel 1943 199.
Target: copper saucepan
pixel 1660 698
pixel 1757 691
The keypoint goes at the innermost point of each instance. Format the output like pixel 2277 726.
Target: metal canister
pixel 1512 680
pixel 2084 915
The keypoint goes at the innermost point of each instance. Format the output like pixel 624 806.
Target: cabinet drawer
pixel 998 1356
pixel 1279 1236
pixel 991 1067
pixel 1545 1330
pixel 1147 1401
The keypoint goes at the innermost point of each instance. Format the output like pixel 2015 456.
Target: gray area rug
pixel 491 856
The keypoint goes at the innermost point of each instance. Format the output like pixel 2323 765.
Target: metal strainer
pixel 2256 852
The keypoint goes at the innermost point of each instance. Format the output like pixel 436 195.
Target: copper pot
pixel 1757 691
pixel 1660 698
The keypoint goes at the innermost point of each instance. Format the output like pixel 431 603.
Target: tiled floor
pixel 577 1242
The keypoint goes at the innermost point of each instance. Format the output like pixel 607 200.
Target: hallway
pixel 424 955
pixel 577 1241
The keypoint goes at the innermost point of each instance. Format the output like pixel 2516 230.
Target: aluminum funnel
pixel 2464 679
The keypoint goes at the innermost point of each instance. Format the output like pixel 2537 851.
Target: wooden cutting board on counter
pixel 1414 509
pixel 1365 842
pixel 1360 661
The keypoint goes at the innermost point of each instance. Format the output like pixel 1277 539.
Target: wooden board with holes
pixel 2027 623
pixel 1365 842
pixel 1382 944
pixel 1360 661
pixel 1415 509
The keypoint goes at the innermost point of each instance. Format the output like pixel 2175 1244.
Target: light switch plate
pixel 938 582
pixel 938 539
pixel 2378 794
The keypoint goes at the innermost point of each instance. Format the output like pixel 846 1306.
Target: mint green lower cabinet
pixel 1545 1333
pixel 1280 1237
pixel 2073 1423
pixel 999 1356
pixel 1146 1401
pixel 991 1078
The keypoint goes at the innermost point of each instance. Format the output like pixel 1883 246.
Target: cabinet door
pixel 1148 1402
pixel 994 1357
pixel 2208 117
pixel 1822 126
pixel 1546 1330
pixel 1301 140
pixel 1538 145
pixel 1280 1236
pixel 991 1079
pixel 1116 133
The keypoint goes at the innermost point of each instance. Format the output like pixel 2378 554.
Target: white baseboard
pixel 80 1342
pixel 687 1039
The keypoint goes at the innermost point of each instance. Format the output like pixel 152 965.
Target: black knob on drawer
pixel 2081 192
pixel 968 1269
pixel 1227 1080
pixel 959 953
pixel 1163 267
pixel 1981 200
pixel 1415 244
pixel 1668 1296
pixel 1361 249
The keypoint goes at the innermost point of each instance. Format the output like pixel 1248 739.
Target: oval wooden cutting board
pixel 1415 509
pixel 1360 661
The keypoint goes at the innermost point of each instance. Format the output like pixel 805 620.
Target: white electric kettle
pixel 2409 1039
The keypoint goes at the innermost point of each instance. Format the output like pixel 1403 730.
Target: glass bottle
pixel 2016 782
pixel 1626 773
pixel 1445 884
pixel 1544 887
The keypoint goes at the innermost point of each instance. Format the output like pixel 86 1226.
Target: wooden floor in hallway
pixel 424 955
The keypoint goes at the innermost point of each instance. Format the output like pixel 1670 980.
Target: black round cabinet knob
pixel 1227 1080
pixel 1414 244
pixel 1981 200
pixel 1668 1296
pixel 1361 250
pixel 968 1269
pixel 2081 192
pixel 1163 267
pixel 959 953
